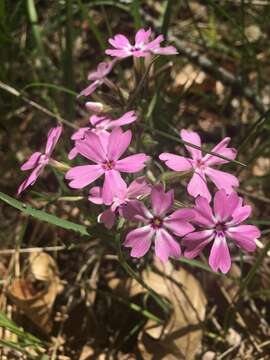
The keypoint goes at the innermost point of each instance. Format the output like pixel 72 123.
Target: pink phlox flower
pixel 98 77
pixel 100 126
pixel 38 161
pixel 142 47
pixel 137 188
pixel 219 225
pixel 202 166
pixel 159 223
pixel 107 162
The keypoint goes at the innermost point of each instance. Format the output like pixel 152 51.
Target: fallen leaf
pixel 181 335
pixel 36 302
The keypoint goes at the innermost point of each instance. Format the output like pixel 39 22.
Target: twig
pixel 34 249
pixel 19 94
pixel 212 69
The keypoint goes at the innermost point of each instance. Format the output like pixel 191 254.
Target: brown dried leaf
pixel 181 336
pixel 37 304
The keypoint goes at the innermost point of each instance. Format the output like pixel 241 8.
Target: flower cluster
pixel 104 144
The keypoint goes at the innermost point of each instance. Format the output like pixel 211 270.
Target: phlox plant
pixel 115 172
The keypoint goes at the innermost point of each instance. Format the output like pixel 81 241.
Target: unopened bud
pixel 59 165
pixel 96 107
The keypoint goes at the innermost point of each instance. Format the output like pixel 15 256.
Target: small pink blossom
pixel 202 165
pixel 219 225
pixel 38 161
pixel 98 77
pixel 99 125
pixel 142 47
pixel 138 187
pixel 107 161
pixel 157 224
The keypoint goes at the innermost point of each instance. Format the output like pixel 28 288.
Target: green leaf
pixel 198 264
pixel 43 216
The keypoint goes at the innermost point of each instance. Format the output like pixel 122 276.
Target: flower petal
pixel 193 138
pixel 31 162
pixel 135 210
pixel 221 149
pixel 198 186
pixel 161 201
pixel 31 179
pixel 219 255
pixel 118 53
pixel 126 119
pixel 240 214
pixel 83 175
pixel 176 162
pixel 166 246
pixel 73 153
pixel 139 240
pixel 119 41
pixel 195 242
pixel 244 236
pixel 142 37
pixel 90 88
pixel 91 147
pixel 52 139
pixel 224 205
pixel 138 187
pixel 222 180
pixel 107 218
pixel 113 183
pixel 203 212
pixel 95 195
pixel 132 163
pixel 178 227
pixel 118 143
pixel 167 50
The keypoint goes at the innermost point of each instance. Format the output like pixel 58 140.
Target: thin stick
pixel 34 249
pixel 19 94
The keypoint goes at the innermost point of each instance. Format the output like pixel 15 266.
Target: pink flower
pixel 99 125
pixel 202 166
pixel 157 224
pixel 38 161
pixel 142 47
pixel 107 162
pixel 98 77
pixel 219 225
pixel 124 194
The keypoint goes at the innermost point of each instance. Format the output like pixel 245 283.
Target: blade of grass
pixel 20 95
pixel 243 286
pixel 68 70
pixel 92 25
pixel 135 11
pixel 198 264
pixel 43 216
pixel 159 300
pixel 171 137
pixel 36 29
pixel 166 18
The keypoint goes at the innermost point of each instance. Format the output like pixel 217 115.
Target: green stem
pixel 160 301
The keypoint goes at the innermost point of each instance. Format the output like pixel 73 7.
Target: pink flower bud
pixel 94 106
